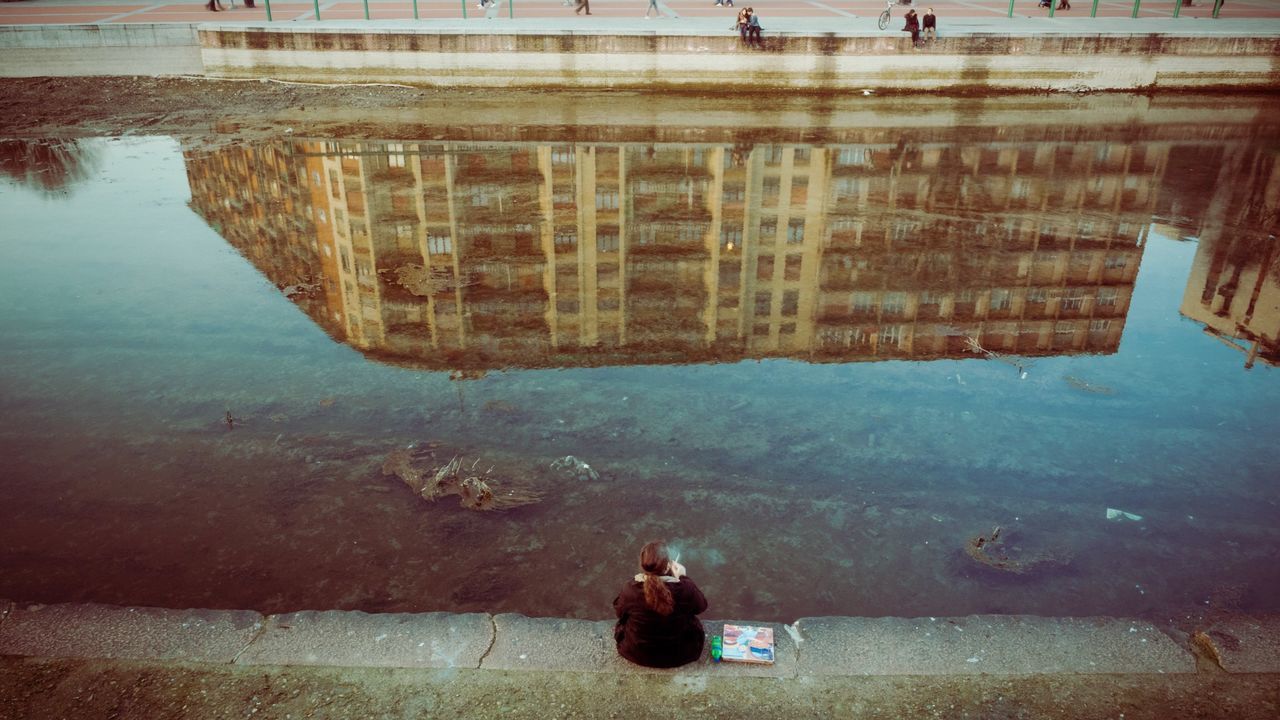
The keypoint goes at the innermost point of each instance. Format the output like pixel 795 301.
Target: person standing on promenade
pixel 658 623
pixel 930 23
pixel 913 27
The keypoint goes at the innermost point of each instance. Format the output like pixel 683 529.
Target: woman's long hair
pixel 655 563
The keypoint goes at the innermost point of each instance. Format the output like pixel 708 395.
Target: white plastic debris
pixel 794 632
pixel 1119 515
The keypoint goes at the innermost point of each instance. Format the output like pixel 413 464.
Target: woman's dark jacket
pixel 646 638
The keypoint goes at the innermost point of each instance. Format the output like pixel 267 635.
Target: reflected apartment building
pixel 1233 289
pixel 488 255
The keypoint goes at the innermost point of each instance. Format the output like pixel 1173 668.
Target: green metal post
pixel 1011 7
pixel 366 9
pixel 511 9
pixel 415 9
pixel 1094 14
pixel 1177 7
pixel 316 3
pixel 1052 8
pixel 268 10
pixel 464 9
pixel 1136 5
pixel 1217 8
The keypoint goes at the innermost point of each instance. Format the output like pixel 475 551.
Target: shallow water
pixel 819 363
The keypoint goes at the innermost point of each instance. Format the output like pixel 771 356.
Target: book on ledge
pixel 748 644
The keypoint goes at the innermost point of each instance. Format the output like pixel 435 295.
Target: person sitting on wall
pixel 658 623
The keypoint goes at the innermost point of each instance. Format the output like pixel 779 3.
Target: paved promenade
pixel 800 15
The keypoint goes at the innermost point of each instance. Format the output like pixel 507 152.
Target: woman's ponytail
pixel 655 563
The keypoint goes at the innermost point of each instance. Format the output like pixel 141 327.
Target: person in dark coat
pixel 913 27
pixel 658 623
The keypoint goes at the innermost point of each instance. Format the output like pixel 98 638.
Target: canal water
pixel 1000 357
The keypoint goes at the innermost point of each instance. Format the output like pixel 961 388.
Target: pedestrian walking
pixel 930 24
pixel 1064 4
pixel 653 5
pixel 913 27
pixel 582 5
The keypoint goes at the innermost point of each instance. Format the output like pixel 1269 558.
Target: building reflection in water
pixel 1234 285
pixel 490 255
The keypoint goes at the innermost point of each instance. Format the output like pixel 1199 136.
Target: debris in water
pixel 477 489
pixel 230 421
pixel 1119 515
pixel 1088 387
pixel 996 552
pixel 575 468
pixel 975 347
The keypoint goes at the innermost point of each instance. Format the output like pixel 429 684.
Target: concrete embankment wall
pixel 812 62
pixel 826 646
pixel 531 58
pixel 82 50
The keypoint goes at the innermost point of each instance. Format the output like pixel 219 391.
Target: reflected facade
pixel 477 256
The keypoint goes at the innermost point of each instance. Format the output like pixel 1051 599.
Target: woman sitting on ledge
pixel 658 622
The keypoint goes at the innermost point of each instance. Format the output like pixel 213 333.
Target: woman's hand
pixel 676 569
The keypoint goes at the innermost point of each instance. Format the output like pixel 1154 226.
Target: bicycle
pixel 884 16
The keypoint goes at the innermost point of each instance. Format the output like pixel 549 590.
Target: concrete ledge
pixel 986 644
pixel 556 644
pixel 830 646
pixel 1247 645
pixel 104 631
pixel 357 639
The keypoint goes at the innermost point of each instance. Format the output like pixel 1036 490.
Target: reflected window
pixel 562 156
pixel 607 199
pixel 790 303
pixel 1073 300
pixel 792 269
pixel 1116 262
pixel 1099 325
pixel 607 241
pixel 771 187
pixel 1001 299
pixel 1064 328
pixel 1037 295
pixel 735 193
pixel 439 244
pixel 566 239
pixel 891 335
pixel 795 232
pixel 768 230
pixel 894 303
pixel 863 302
pixel 1107 296
pixel 764 303
pixel 764 267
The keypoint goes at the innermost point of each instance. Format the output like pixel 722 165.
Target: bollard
pixel 1094 14
pixel 415 9
pixel 464 9
pixel 1052 8
pixel 1136 4
pixel 1177 7
pixel 1217 7
pixel 268 10
pixel 316 3
pixel 511 9
pixel 366 9
pixel 1011 7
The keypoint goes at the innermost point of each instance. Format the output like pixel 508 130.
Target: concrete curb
pixel 829 646
pixel 358 639
pixel 987 644
pixel 106 631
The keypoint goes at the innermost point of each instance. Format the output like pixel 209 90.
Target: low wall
pixel 688 60
pixel 81 50
pixel 811 62
pixel 825 646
